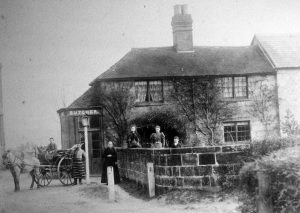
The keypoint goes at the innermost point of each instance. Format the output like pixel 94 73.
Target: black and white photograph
pixel 141 106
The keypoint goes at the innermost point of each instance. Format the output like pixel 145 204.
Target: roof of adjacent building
pixel 282 50
pixel 163 62
pixel 84 101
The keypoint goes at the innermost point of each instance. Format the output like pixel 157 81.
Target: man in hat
pixel 176 143
pixel 51 148
pixel 158 138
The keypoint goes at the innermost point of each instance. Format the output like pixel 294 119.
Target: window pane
pixel 140 91
pixel 243 131
pixel 155 91
pixel 229 133
pixel 227 87
pixel 240 86
pixel 94 122
pixel 168 89
pixel 81 137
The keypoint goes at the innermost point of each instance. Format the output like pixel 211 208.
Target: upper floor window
pixel 148 91
pixel 234 87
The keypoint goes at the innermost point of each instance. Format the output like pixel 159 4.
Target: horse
pixel 17 165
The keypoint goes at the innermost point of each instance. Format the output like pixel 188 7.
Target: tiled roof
pixel 166 62
pixel 84 101
pixel 282 50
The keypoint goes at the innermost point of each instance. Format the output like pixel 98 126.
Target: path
pixel 93 198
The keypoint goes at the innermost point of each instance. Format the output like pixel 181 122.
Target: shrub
pixel 283 167
pixel 264 147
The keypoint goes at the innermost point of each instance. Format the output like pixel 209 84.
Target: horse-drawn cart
pixel 56 165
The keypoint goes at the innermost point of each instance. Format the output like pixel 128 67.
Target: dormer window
pixel 148 91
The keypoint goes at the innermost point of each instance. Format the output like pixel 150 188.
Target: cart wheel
pixel 64 170
pixel 45 176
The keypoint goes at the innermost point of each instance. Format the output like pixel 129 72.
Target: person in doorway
pixel 158 138
pixel 51 148
pixel 133 140
pixel 176 143
pixel 110 159
pixel 78 170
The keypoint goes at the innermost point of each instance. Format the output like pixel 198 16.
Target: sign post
pixel 85 123
pixel 111 183
pixel 151 179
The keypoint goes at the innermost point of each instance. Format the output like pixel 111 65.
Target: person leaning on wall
pixel 176 143
pixel 158 138
pixel 133 138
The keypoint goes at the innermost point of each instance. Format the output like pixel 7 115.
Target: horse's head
pixel 6 158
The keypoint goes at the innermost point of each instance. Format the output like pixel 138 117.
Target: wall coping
pixel 194 149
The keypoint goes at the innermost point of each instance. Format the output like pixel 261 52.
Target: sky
pixel 50 50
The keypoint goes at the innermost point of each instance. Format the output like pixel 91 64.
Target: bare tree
pixel 263 100
pixel 117 100
pixel 202 103
pixel 290 126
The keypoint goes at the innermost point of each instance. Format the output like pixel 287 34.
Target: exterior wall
pixel 288 92
pixel 199 167
pixel 243 105
pixel 68 132
pixel 256 127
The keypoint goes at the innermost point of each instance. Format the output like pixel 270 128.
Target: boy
pixel 176 143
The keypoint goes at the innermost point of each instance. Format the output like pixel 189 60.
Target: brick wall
pixel 184 168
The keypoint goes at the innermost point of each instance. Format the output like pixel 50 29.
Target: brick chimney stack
pixel 182 29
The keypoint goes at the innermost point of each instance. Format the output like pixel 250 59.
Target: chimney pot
pixel 177 9
pixel 184 9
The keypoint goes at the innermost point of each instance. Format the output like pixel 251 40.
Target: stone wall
pixel 184 168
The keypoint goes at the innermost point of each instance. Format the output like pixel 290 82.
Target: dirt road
pixel 91 198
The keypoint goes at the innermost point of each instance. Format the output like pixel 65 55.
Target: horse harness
pixel 17 162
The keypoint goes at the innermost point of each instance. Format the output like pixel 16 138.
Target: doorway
pixel 95 144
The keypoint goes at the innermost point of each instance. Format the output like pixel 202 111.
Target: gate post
pixel 264 201
pixel 111 183
pixel 151 179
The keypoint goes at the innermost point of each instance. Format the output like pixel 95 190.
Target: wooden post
pixel 151 179
pixel 87 163
pixel 264 201
pixel 111 183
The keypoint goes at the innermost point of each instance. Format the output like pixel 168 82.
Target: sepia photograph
pixel 141 106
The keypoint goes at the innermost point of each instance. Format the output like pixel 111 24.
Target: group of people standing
pixel 109 156
pixel 158 139
pixel 110 159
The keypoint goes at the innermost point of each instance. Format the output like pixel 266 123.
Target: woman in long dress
pixel 110 159
pixel 78 170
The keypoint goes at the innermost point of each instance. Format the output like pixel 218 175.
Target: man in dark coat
pixel 52 146
pixel 176 143
pixel 158 138
pixel 110 159
pixel 133 140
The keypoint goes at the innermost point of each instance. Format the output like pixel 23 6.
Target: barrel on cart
pixel 57 164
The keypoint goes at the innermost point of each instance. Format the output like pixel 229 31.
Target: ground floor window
pixel 236 131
